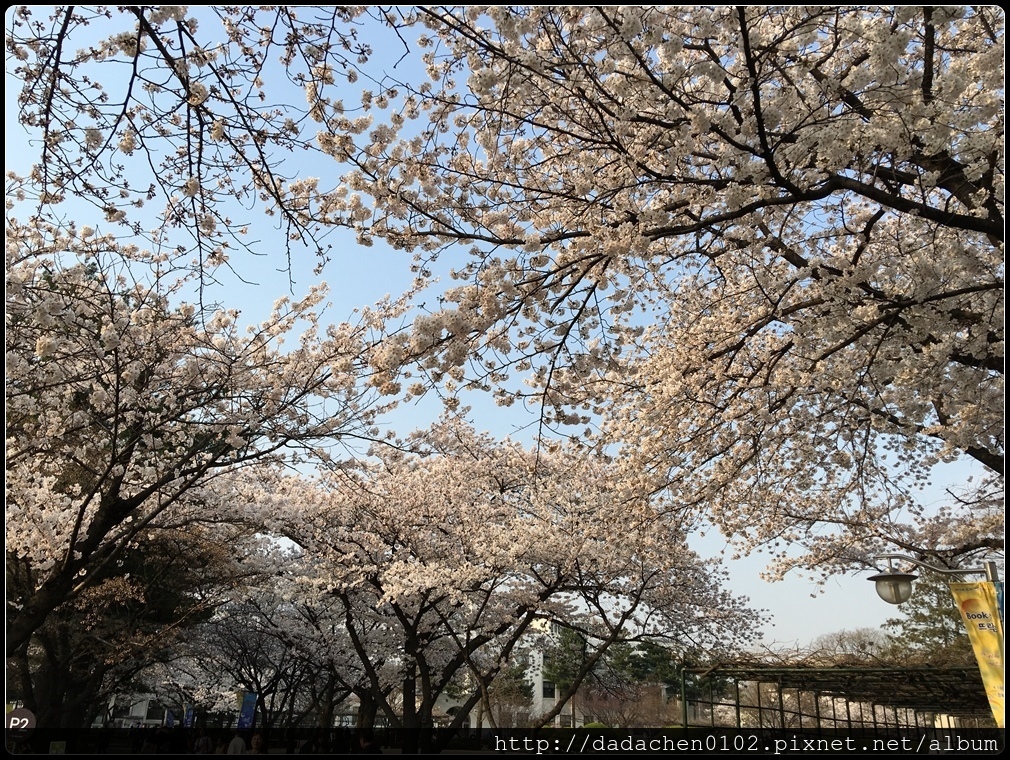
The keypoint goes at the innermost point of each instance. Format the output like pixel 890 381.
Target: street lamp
pixel 895 587
pixel 979 607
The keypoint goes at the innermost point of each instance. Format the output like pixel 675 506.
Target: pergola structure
pixel 815 698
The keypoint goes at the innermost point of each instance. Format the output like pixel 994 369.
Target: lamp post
pixel 980 607
pixel 895 587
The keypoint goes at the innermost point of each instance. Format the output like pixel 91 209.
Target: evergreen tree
pixel 930 628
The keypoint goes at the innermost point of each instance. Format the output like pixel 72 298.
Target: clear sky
pixel 800 609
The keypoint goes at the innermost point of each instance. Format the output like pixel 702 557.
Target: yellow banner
pixel 979 611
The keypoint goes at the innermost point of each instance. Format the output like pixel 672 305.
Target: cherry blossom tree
pixel 261 638
pixel 761 247
pixel 92 648
pixel 245 645
pixel 441 563
pixel 765 244
pixel 158 118
pixel 128 413
pixel 279 638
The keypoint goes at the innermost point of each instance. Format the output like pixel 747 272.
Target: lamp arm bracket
pixel 943 570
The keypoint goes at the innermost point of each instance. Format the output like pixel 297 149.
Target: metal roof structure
pixel 948 690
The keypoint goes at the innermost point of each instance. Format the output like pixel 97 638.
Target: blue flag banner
pixel 247 712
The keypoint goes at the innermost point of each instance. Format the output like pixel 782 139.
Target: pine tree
pixel 930 628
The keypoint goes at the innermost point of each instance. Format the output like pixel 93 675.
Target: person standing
pixel 237 745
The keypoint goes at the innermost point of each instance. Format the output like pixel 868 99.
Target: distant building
pixel 143 710
pixel 545 694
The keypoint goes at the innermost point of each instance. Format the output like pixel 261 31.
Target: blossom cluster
pixel 122 401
